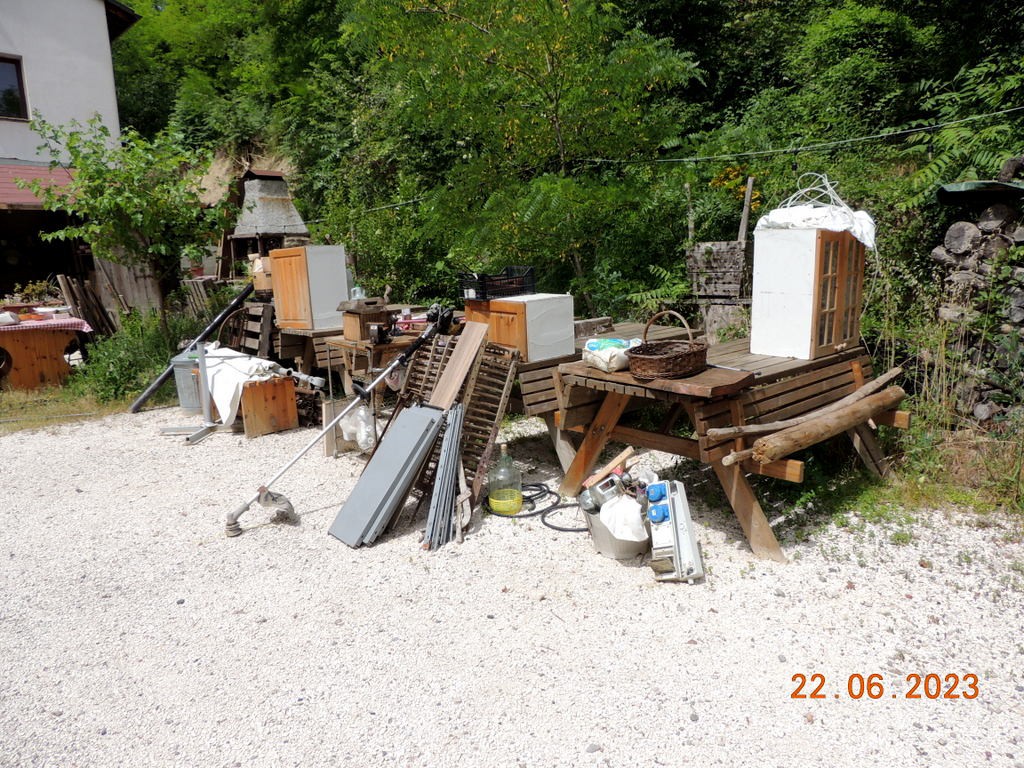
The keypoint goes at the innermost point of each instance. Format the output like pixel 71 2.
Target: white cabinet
pixel 539 325
pixel 806 293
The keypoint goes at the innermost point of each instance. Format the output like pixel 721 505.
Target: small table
pixel 32 351
pixel 376 356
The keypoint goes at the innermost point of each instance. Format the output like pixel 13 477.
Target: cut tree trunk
pixel 788 441
pixel 962 237
pixel 748 430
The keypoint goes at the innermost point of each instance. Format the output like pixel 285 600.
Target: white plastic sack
pixel 818 206
pixel 357 426
pixel 9 318
pixel 608 354
pixel 623 518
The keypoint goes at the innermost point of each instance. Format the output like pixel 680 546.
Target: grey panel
pixel 388 477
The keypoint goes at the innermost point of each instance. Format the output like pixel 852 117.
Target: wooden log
pixel 962 237
pixel 788 441
pixel 995 217
pixel 943 256
pixel 737 456
pixel 748 430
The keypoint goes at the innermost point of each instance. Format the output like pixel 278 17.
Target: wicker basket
pixel 667 359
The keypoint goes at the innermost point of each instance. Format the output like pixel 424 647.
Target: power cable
pixel 809 147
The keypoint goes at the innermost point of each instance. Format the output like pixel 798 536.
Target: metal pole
pixel 232 528
pixel 207 332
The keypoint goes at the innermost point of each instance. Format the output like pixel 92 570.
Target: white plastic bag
pixel 608 354
pixel 623 518
pixel 366 429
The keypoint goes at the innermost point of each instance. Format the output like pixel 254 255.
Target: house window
pixel 12 89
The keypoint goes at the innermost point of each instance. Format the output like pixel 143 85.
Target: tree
pixel 135 202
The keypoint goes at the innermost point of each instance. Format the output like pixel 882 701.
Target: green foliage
pixel 967 148
pixel 123 365
pixel 135 202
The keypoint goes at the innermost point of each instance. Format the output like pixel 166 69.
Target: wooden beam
pixel 789 470
pixel 749 513
pixel 655 441
pixel 897 419
pixel 593 443
pixel 723 433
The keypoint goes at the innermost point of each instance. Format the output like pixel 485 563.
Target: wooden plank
pixel 784 469
pixel 897 419
pixel 269 406
pixel 593 443
pixel 608 468
pixel 709 383
pixel 458 366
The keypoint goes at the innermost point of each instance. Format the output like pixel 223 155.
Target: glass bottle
pixel 505 485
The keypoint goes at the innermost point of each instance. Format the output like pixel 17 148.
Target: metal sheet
pixel 388 476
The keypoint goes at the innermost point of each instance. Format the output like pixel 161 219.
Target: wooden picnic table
pixel 738 388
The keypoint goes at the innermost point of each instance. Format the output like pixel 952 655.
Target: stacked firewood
pixel 985 296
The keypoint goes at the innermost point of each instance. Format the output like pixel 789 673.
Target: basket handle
pixel 668 312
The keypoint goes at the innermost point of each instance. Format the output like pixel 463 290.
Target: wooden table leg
pixel 593 443
pixel 564 448
pixel 748 512
pixel 869 450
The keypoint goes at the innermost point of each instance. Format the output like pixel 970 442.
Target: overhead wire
pixel 809 147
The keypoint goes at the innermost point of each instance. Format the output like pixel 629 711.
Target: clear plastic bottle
pixel 505 485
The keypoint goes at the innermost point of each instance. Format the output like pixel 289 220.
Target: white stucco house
pixel 55 60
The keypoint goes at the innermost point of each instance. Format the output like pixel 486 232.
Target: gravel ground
pixel 132 632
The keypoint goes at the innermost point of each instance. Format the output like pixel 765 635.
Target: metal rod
pixel 207 332
pixel 232 527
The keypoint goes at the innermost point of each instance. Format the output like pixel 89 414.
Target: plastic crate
pixel 513 281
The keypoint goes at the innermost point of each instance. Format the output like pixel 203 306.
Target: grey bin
pixel 187 382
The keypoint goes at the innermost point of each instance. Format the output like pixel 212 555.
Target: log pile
pixel 984 280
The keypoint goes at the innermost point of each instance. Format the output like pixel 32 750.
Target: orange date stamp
pixel 874 686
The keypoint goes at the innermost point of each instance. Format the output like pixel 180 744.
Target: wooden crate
pixel 720 272
pixel 269 406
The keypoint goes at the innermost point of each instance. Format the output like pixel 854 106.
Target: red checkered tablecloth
pixel 58 324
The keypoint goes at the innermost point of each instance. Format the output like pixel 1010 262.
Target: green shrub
pixel 123 365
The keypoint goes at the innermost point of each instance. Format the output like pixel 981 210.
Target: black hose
pixel 532 494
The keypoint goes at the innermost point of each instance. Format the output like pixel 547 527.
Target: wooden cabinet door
pixel 508 325
pixel 839 280
pixel 290 276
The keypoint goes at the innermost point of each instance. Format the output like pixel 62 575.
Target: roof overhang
pixel 13 197
pixel 119 18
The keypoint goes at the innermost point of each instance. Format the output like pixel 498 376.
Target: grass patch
pixel 34 409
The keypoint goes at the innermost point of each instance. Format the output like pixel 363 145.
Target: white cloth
pixel 227 371
pixel 830 217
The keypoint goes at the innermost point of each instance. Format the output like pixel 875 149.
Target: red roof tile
pixel 11 196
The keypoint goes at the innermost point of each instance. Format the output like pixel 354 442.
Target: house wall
pixel 65 59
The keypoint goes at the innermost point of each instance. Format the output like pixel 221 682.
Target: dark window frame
pixel 19 71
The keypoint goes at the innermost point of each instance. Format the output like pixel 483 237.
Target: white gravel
pixel 133 633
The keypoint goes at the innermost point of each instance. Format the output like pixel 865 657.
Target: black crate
pixel 513 281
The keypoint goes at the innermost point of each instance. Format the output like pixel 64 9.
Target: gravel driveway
pixel 134 633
